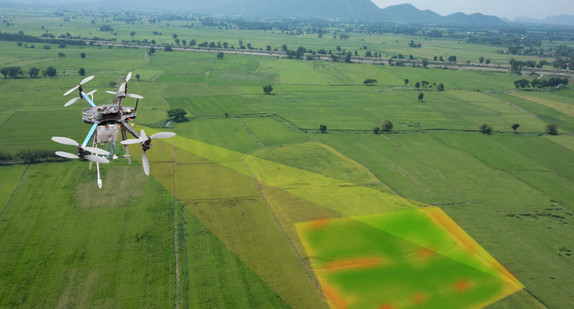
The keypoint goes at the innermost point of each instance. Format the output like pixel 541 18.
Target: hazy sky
pixel 500 8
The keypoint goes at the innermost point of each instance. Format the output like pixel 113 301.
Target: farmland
pixel 219 222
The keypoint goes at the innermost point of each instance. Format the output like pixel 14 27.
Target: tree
pixel 521 83
pixel 369 81
pixel 82 72
pixel 421 96
pixel 386 125
pixel 452 59
pixel 138 77
pixel 132 33
pixel 440 87
pixel 220 55
pixel 5 71
pixel 425 63
pixel 323 128
pixel 377 130
pixel 33 72
pixel 267 89
pixel 83 55
pixel 105 28
pixel 515 127
pixel 481 59
pixel 552 129
pixel 168 48
pixel 406 81
pixel 177 114
pixel 348 57
pixel 417 85
pixel 485 129
pixel 50 72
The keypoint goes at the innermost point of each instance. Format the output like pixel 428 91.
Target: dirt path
pixel 24 173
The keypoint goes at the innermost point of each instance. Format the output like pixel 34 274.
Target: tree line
pixel 15 72
pixel 21 37
pixel 30 156
pixel 541 83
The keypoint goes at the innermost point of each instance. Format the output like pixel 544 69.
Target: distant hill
pixel 407 13
pixel 344 10
pixel 565 20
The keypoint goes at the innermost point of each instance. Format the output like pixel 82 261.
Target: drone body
pixel 105 120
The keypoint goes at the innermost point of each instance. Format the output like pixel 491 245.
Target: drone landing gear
pixel 125 137
pixel 94 145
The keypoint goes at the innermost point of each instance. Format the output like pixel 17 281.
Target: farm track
pixel 361 60
pixel 24 173
pixel 292 126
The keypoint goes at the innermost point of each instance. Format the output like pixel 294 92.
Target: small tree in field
pixel 386 125
pixel 267 89
pixel 177 114
pixel 369 81
pixel 50 71
pixel 377 130
pixel 220 55
pixel 421 96
pixel 515 127
pixel 138 77
pixel 552 129
pixel 485 129
pixel 33 72
pixel 82 72
pixel 323 128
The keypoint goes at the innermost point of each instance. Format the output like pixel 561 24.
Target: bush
pixel 552 129
pixel 323 128
pixel 369 81
pixel 485 129
pixel 177 114
pixel 267 89
pixel 386 125
pixel 377 130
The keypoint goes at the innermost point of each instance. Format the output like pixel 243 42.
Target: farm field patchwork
pixel 250 206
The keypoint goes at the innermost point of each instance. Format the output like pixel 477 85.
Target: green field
pixel 217 225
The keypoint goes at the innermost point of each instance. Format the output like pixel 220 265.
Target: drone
pixel 106 119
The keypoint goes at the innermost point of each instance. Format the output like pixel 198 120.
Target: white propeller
pixel 67 155
pixel 92 158
pixel 85 80
pixel 147 140
pixel 72 101
pixel 71 142
pixel 128 77
pixel 135 96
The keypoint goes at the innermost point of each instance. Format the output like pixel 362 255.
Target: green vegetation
pixel 248 166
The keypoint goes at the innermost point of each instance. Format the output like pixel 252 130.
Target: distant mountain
pixel 565 20
pixel 344 10
pixel 407 13
pixel 475 19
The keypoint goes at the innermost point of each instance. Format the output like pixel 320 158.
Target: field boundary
pixel 24 173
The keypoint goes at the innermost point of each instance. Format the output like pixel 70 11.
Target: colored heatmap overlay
pixel 386 252
pixel 416 258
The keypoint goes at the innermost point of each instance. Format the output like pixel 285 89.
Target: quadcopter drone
pixel 105 120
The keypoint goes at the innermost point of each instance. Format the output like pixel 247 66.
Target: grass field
pixel 216 224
